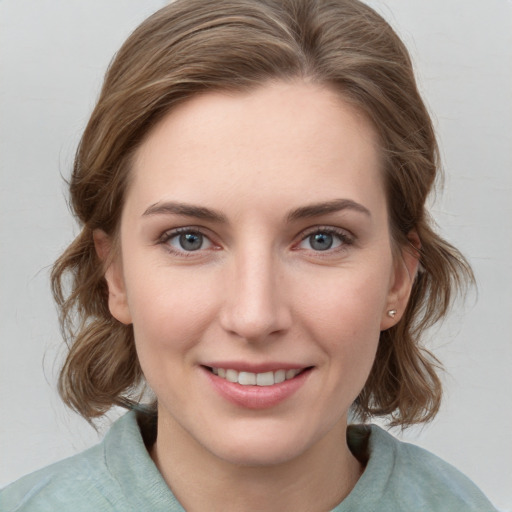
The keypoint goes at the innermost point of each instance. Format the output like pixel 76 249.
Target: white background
pixel 53 54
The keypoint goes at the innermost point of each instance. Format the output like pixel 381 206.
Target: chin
pixel 258 454
pixel 260 446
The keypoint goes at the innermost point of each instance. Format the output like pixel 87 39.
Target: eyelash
pixel 169 235
pixel 344 237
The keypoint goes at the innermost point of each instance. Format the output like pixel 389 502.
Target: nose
pixel 256 307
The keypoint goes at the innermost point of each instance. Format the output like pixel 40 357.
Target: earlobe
pixel 406 267
pixel 117 298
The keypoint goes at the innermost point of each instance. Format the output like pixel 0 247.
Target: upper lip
pixel 242 366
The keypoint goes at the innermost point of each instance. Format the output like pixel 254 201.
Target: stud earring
pixel 392 313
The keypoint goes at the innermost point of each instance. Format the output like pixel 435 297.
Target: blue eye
pixel 190 241
pixel 321 241
pixel 187 241
pixel 325 239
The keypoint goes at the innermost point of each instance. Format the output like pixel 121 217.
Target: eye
pixel 185 240
pixel 325 239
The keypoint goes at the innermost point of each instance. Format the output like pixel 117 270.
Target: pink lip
pixel 256 397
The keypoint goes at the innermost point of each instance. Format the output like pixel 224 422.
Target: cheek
pixel 350 301
pixel 344 316
pixel 169 312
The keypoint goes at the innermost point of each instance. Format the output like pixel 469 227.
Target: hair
pixel 191 47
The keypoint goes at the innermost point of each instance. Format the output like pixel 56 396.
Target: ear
pixel 405 268
pixel 117 298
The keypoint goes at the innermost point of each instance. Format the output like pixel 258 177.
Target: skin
pixel 257 290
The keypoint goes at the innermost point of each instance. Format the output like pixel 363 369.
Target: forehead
pixel 300 140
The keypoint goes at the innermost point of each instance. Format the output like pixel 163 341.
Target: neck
pixel 317 479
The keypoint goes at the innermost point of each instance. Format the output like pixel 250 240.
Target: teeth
pixel 291 373
pixel 264 379
pixel 279 376
pixel 256 379
pixel 232 375
pixel 247 378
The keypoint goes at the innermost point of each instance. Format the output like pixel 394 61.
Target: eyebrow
pixel 186 210
pixel 317 209
pixel 201 212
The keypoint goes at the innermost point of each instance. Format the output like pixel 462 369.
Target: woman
pixel 255 247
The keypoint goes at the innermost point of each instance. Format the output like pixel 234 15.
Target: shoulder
pixel 77 483
pixel 107 477
pixel 411 478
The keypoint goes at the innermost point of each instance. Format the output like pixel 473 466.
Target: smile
pixel 256 379
pixel 256 390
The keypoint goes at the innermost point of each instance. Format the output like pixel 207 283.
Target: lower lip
pixel 257 397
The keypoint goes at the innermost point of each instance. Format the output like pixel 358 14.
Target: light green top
pixel 119 475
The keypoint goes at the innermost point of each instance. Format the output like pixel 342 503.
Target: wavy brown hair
pixel 191 47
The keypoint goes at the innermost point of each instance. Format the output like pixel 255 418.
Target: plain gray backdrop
pixel 53 54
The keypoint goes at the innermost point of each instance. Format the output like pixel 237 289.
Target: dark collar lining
pixel 148 425
pixel 358 437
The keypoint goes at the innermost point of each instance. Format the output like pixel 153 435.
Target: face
pixel 256 268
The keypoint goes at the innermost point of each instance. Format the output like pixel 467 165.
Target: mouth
pixel 269 378
pixel 257 390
